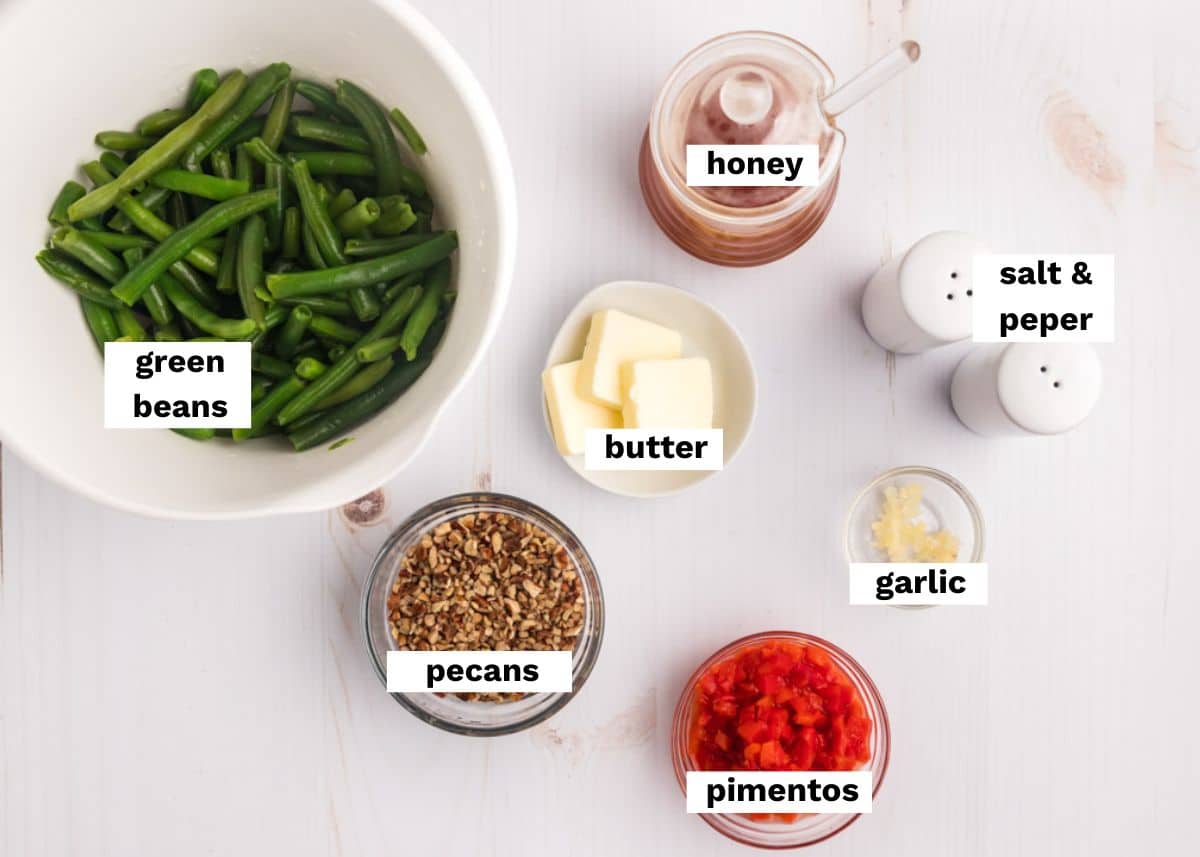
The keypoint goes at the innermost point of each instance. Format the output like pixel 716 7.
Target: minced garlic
pixel 902 537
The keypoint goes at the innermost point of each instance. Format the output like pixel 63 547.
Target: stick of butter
pixel 668 394
pixel 616 338
pixel 570 414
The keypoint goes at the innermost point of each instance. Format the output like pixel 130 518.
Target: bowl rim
pixel 499 167
pixel 730 454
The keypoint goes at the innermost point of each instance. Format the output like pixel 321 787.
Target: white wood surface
pixel 188 689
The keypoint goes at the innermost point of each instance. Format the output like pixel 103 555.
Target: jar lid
pixel 1048 388
pixel 936 285
pixel 745 88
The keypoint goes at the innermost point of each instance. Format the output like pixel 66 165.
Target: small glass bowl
pixel 806 829
pixel 945 505
pixel 448 712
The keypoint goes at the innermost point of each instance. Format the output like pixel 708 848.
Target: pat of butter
pixel 570 414
pixel 614 339
pixel 668 394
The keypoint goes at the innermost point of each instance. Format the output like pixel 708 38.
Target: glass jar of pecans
pixel 483 572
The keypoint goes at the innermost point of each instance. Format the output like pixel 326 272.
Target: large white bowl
pixel 68 70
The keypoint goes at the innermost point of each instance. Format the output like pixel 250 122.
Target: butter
pixel 902 537
pixel 667 394
pixel 570 414
pixel 616 338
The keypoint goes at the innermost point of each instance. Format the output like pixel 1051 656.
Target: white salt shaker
pixel 922 299
pixel 1026 387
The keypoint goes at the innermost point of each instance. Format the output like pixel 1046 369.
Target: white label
pixel 479 672
pixel 177 385
pixel 654 449
pixel 753 166
pixel 911 583
pixel 1026 297
pixel 816 792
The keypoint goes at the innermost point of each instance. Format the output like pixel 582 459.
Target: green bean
pixel 336 351
pixel 426 311
pixel 356 220
pixel 127 323
pixel 154 299
pixel 274 316
pixel 204 319
pixel 196 433
pixel 100 321
pixel 153 199
pixel 87 252
pixel 144 219
pixel 363 380
pixel 337 163
pixel 167 333
pixel 378 349
pixel 75 276
pixel 363 406
pixel 383 246
pixel 331 328
pixel 312 253
pixel 227 272
pixel 316 217
pixel 164 152
pixel 174 248
pixel 343 201
pixel 177 213
pixel 276 122
pixel 364 273
pixel 374 122
pixel 365 303
pixel 123 141
pixel 269 406
pixel 401 284
pixel 272 367
pixel 430 343
pixel 71 192
pixel 310 368
pixel 397 219
pixel 275 175
pixel 290 243
pixel 199 184
pixel 250 266
pixel 119 242
pixel 325 306
pixel 293 331
pixel 292 144
pixel 258 389
pixel 324 100
pixel 346 365
pixel 257 91
pixel 258 149
pixel 244 133
pixel 199 288
pixel 408 131
pixel 161 121
pixel 329 133
pixel 204 84
pixel 222 164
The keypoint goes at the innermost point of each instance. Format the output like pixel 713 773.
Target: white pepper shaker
pixel 922 299
pixel 1026 387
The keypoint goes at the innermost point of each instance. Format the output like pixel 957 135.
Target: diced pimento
pixel 779 706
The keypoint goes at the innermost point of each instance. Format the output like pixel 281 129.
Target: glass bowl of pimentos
pixel 483 572
pixel 780 701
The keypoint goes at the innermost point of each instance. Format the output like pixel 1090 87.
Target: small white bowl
pixel 706 333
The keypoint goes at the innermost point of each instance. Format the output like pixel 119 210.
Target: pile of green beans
pixel 272 211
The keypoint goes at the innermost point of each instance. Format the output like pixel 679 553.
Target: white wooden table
pixel 188 688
